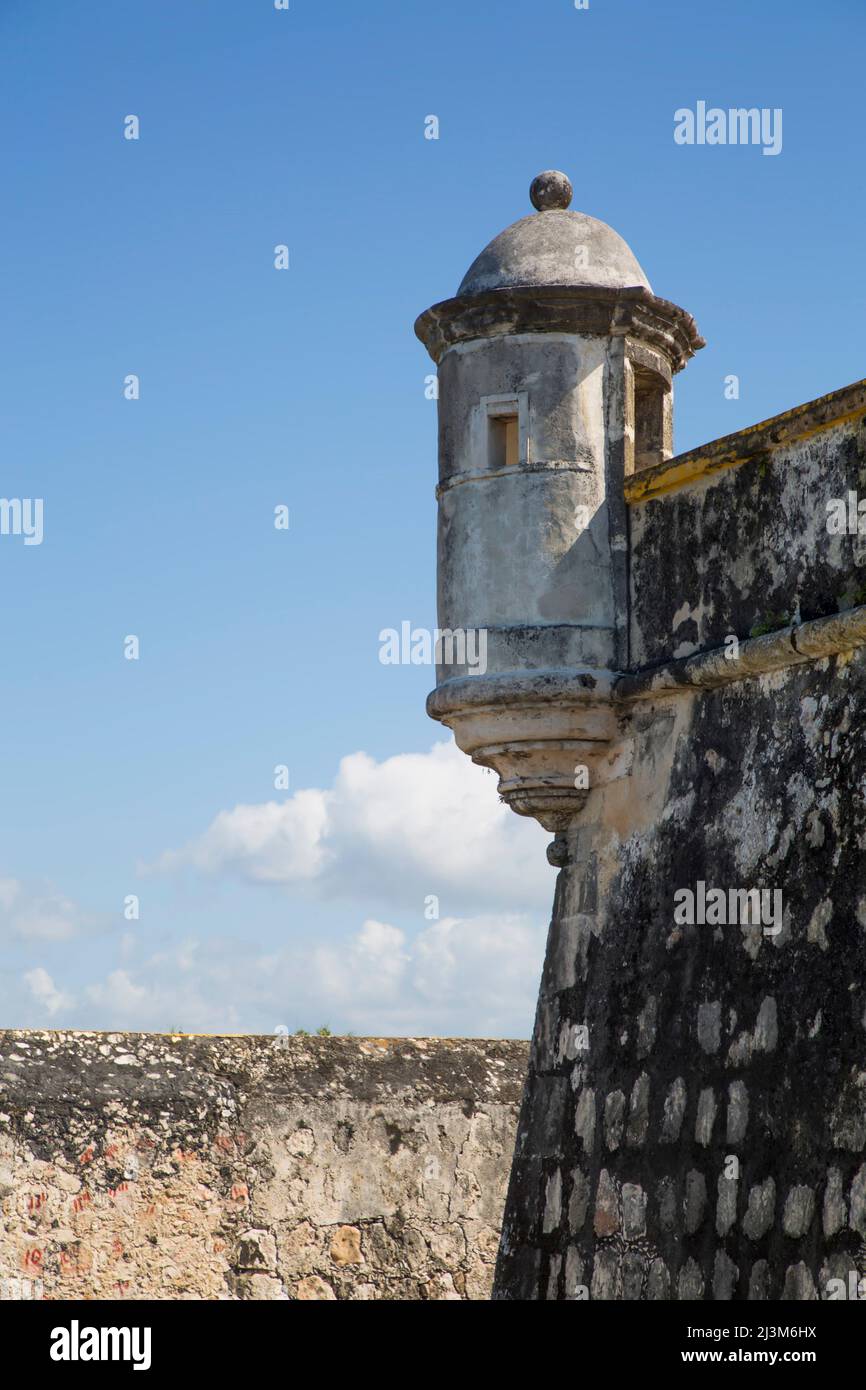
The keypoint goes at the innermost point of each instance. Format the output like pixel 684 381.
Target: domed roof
pixel 553 246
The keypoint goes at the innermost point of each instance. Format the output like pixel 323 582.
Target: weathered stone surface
pixel 795 567
pixel 607 1276
pixel 857 1216
pixel 738 1112
pixel 725 1276
pixel 675 1107
pixel 696 1200
pixel 786 1079
pixel 799 1209
pixel 761 1210
pixel 607 1217
pixel 835 1207
pixel 256 1251
pixel 659 1282
pixel 799 1284
pixel 706 1117
pixel 647 1024
pixel 346 1246
pixel 634 1204
pixel 638 1117
pixel 578 1202
pixel 148 1166
pixel 667 1202
pixel 614 1114
pixel 691 1284
pixel 710 1026
pixel 553 1203
pixel 527 251
pixel 759 1281
pixel 726 1204
pixel 575 1287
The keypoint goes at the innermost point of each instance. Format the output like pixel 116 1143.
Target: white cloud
pixel 276 842
pixel 388 832
pixel 45 992
pixel 28 914
pixel 9 891
pixel 471 977
pixel 387 836
pixel 372 970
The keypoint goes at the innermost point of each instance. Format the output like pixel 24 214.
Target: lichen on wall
pixel 695 1122
pixel 749 547
pixel 147 1166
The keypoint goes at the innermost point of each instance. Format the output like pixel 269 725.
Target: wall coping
pixel 149 1069
pixel 747 445
pixel 758 656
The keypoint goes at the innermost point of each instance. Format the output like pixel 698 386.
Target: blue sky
pixel 306 387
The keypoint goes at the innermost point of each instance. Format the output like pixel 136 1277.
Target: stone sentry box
pixel 676 687
pixel 555 367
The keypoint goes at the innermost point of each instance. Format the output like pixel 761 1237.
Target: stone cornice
pixel 757 656
pixel 756 442
pixel 538 729
pixel 514 689
pixel 562 309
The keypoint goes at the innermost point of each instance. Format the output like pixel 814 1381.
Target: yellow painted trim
pixel 639 488
pixel 677 473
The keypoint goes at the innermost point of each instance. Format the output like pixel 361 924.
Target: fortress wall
pixel 149 1166
pixel 695 1123
pixel 747 545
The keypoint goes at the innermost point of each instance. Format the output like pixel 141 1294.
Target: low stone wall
pixel 149 1166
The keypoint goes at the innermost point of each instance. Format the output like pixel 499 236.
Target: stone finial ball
pixel 551 190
